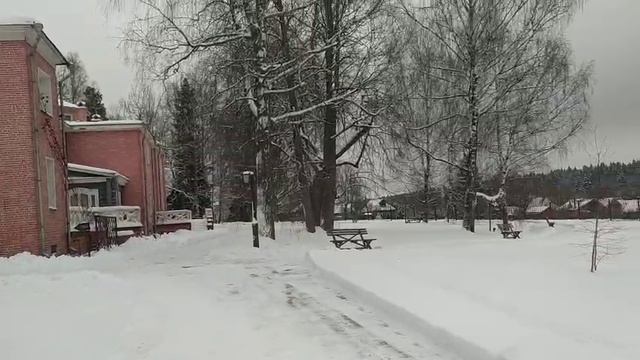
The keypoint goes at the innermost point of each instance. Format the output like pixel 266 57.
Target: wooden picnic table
pixel 355 236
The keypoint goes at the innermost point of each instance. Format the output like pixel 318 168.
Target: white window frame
pixel 85 191
pixel 45 89
pixel 52 193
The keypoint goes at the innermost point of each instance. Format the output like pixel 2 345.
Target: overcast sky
pixel 605 31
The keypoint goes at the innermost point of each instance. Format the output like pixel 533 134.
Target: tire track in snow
pixel 352 322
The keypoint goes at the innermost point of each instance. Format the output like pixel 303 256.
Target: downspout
pixel 34 138
pixel 65 170
pixel 144 183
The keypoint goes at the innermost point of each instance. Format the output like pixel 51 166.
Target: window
pixel 67 117
pixel 51 183
pixel 46 96
pixel 84 197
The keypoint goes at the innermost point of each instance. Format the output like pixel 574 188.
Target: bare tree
pixel 490 50
pixel 73 78
pixel 605 238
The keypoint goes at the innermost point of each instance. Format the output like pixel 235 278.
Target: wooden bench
pixel 550 223
pixel 416 219
pixel 508 231
pixel 355 236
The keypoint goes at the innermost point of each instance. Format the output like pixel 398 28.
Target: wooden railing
pixel 173 217
pixel 126 216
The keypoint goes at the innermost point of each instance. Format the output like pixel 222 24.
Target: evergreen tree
pixel 93 99
pixel 190 190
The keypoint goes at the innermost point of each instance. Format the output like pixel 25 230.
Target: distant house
pixel 581 208
pixel 379 209
pixel 612 208
pixel 541 208
pixel 578 208
pixel 630 208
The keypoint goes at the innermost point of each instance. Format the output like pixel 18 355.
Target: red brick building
pixel 33 209
pixel 127 148
pixel 119 157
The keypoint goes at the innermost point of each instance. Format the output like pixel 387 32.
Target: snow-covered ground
pixel 426 291
pixel 488 298
pixel 192 295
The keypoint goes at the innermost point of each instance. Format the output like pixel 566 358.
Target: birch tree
pixel 490 48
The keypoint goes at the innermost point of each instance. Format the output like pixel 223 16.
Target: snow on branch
pixel 493 199
pixel 314 107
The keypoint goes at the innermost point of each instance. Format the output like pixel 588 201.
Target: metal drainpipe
pixel 65 170
pixel 36 112
pixel 144 184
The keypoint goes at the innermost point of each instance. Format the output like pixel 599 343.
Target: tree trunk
pixel 298 147
pixel 316 198
pixel 328 175
pixel 426 190
pixel 594 248
pixel 471 158
pixel 303 180
pixel 264 206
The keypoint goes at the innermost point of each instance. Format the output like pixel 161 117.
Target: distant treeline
pixel 606 180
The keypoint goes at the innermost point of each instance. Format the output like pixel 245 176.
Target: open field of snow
pixel 426 291
pixel 489 298
pixel 192 295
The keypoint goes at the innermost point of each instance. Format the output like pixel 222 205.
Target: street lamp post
pixel 249 177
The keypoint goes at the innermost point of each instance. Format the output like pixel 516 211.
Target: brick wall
pixel 51 142
pixel 19 219
pixel 18 214
pixel 133 154
pixel 116 150
pixel 77 113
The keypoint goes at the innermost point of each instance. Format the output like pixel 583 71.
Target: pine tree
pixel 93 99
pixel 189 182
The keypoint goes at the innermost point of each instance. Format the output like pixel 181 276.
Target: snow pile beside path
pixel 489 298
pixel 189 295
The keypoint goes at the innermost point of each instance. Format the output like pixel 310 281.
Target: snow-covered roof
pixel 629 206
pixel 97 171
pixel 605 201
pixel 106 125
pixel 539 201
pixel 537 209
pixel 71 105
pixel 21 28
pixel 539 205
pixel 573 204
pixel 17 20
pixel 374 205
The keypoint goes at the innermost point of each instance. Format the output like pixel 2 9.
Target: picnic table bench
pixel 355 236
pixel 508 231
pixel 416 219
